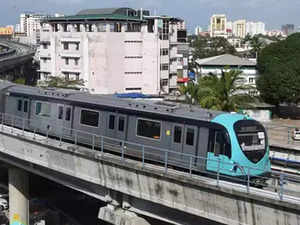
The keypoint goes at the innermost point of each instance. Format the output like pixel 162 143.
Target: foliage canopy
pixel 225 92
pixel 279 68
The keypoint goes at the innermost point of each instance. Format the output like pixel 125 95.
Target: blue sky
pixel 196 12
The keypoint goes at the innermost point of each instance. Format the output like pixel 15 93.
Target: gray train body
pixel 154 124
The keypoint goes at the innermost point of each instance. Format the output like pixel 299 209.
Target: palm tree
pixel 256 45
pixel 225 92
pixel 190 92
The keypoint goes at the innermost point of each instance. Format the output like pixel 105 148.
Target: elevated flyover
pixel 16 61
pixel 132 188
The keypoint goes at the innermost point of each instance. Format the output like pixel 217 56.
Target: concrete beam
pixel 18 197
pixel 118 216
pixel 149 188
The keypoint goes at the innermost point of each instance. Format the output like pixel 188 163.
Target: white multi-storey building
pixel 218 26
pixel 198 30
pixel 114 50
pixel 30 27
pixel 254 28
pixel 239 28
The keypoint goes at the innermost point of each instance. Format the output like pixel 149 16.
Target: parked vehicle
pixel 296 134
pixel 3 204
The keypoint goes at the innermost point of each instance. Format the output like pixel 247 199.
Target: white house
pixel 217 64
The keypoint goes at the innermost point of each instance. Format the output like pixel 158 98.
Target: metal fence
pixel 190 165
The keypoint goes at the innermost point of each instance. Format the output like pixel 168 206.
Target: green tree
pixel 257 44
pixel 279 68
pixel 61 82
pixel 225 92
pixel 205 47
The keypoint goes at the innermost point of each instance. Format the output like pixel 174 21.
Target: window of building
pixel 89 118
pixel 133 57
pixel 68 114
pixel 101 27
pixel 45 46
pixel 67 61
pixel 20 105
pixel 77 46
pixel 77 76
pixel 77 27
pixel 133 73
pixel 164 82
pixel 66 46
pixel 190 133
pixel 164 66
pixel 133 41
pixel 148 129
pixel 117 27
pixel 251 80
pixel 76 60
pixel 121 123
pixel 133 27
pixel 65 27
pixel 133 89
pixel 164 51
pixel 60 112
pixel 43 109
pixel 89 27
pixel 111 122
pixel 67 75
pixel 177 134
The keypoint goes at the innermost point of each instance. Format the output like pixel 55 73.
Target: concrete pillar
pixel 18 197
pixel 119 216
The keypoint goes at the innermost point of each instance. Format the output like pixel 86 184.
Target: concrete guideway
pixel 128 187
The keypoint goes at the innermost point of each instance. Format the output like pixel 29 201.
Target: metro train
pixel 231 144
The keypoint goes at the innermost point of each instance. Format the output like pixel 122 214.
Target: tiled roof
pixel 225 60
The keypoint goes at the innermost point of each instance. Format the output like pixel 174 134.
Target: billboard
pixel 6 31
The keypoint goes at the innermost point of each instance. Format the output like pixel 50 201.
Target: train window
pixel 221 145
pixel 20 104
pixel 177 134
pixel 121 123
pixel 89 118
pixel 148 128
pixel 190 133
pixel 43 109
pixel 60 112
pixel 68 114
pixel 111 122
pixel 25 106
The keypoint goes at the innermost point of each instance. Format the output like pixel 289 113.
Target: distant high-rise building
pixel 239 28
pixel 218 26
pixel 198 30
pixel 254 28
pixel 288 29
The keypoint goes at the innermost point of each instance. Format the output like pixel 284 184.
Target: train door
pixel 177 139
pixel 189 143
pixel 121 129
pixel 218 157
pixel 22 112
pixel 63 120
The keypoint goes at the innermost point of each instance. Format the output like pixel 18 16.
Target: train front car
pixel 248 142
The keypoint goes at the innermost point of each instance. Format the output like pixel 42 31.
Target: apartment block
pixel 114 50
pixel 218 26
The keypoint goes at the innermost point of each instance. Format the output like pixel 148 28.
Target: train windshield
pixel 252 138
